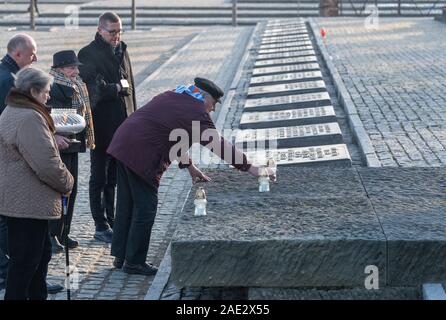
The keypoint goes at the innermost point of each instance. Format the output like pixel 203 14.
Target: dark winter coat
pixel 102 69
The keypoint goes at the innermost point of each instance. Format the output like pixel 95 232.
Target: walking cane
pixel 67 256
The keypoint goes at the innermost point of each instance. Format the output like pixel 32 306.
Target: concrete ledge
pixel 317 228
pixel 402 293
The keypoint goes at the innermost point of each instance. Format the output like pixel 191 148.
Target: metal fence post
pixel 234 13
pixel 133 15
pixel 32 15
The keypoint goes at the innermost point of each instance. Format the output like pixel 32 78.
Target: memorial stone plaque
pixel 285 45
pixel 287 49
pixel 285 33
pixel 335 155
pixel 285 78
pixel 285 26
pixel 290 117
pixel 287 102
pixel 285 69
pixel 280 24
pixel 283 55
pixel 284 62
pixel 288 137
pixel 275 29
pixel 286 89
pixel 284 39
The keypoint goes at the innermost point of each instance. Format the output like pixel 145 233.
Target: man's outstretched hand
pixel 197 175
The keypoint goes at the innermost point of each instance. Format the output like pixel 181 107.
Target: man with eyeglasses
pixel 107 71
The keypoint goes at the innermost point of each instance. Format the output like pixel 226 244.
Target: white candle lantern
pixel 200 202
pixel 263 180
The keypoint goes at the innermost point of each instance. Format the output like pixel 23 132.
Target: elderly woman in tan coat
pixel 32 181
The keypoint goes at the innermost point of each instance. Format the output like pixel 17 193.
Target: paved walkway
pixel 396 76
pixel 186 53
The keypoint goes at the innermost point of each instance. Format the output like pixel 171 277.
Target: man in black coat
pixel 108 74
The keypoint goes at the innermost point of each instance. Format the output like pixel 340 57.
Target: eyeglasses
pixel 114 32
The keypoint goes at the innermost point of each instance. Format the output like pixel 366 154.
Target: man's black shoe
pixel 56 247
pixel 105 236
pixel 53 288
pixel 143 269
pixel 71 243
pixel 117 263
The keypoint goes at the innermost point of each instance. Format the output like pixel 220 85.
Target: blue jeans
pixel 3 249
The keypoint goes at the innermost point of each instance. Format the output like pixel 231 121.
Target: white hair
pixel 32 78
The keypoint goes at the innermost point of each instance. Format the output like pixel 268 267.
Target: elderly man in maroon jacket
pixel 143 149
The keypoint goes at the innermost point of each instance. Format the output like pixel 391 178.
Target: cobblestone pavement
pixel 396 78
pixel 215 54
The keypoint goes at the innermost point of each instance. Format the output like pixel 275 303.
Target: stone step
pixel 298 48
pixel 285 78
pixel 277 90
pixel 295 101
pixel 333 155
pixel 282 55
pixel 316 228
pixel 290 117
pixel 291 136
pixel 285 61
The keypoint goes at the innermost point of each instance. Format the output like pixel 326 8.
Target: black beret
pixel 209 87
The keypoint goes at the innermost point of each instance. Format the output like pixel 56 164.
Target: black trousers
pixel 136 207
pixel 58 227
pixel 102 189
pixel 3 249
pixel 29 249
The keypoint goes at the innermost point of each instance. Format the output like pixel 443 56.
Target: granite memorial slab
pixel 275 28
pixel 311 184
pixel 286 44
pixel 309 46
pixel 284 118
pixel 323 155
pixel 287 102
pixel 279 239
pixel 285 78
pixel 288 137
pixel 295 24
pixel 403 181
pixel 284 32
pixel 284 62
pixel 288 32
pixel 384 293
pixel 285 69
pixel 282 55
pixel 285 39
pixel 287 89
pixel 411 205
